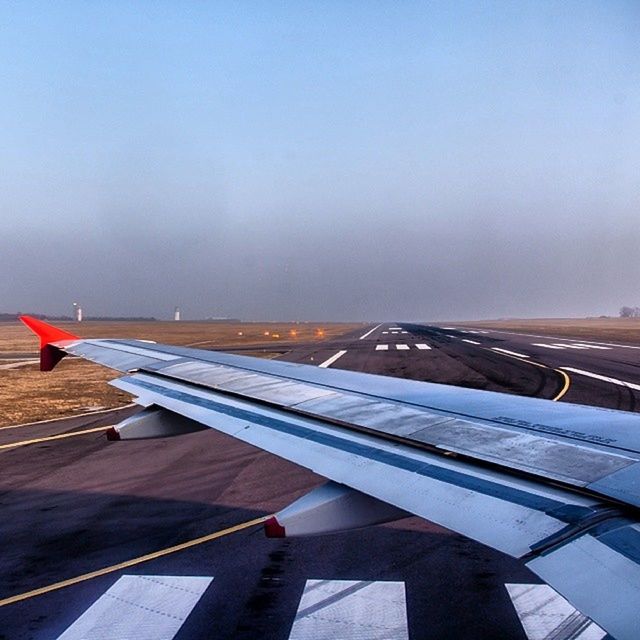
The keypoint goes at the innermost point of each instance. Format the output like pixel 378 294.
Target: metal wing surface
pixel 556 485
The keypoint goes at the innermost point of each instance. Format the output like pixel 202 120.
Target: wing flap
pixel 507 513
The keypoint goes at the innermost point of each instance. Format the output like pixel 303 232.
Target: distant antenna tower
pixel 176 314
pixel 77 312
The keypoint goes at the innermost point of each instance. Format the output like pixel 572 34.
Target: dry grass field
pixel 27 395
pixel 622 330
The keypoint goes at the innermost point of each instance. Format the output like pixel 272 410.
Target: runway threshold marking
pixel 329 361
pixel 60 436
pixel 351 609
pixel 141 607
pixel 369 332
pixel 545 614
pixel 131 563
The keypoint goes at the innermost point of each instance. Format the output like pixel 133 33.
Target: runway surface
pixel 76 508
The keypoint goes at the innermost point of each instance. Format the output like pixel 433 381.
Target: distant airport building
pixel 176 314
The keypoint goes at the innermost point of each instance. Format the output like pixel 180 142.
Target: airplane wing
pixel 556 485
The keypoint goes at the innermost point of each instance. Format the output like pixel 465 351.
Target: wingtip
pixel 273 529
pixel 50 355
pixel 45 331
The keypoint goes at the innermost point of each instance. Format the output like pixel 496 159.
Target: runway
pixel 82 510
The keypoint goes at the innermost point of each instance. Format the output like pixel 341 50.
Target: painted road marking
pixel 395 328
pixel 131 563
pixel 404 332
pixel 58 419
pixel 402 347
pixel 350 610
pixel 422 346
pixel 546 346
pixel 450 336
pixel 385 332
pixel 332 359
pixel 395 333
pixel 368 333
pixel 141 607
pixel 535 335
pixel 509 353
pixel 592 346
pixel 596 376
pixel 565 378
pixel 565 386
pixel 17 365
pixel 470 341
pixel 569 346
pixel 60 436
pixel 382 347
pixel 545 614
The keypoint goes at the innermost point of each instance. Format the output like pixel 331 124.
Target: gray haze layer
pixel 321 161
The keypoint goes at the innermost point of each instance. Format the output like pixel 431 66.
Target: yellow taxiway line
pixel 130 563
pixel 565 388
pixel 566 379
pixel 60 436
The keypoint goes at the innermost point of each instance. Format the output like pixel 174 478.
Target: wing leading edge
pixel 526 492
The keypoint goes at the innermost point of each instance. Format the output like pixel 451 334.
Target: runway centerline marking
pixel 329 361
pixel 131 563
pixel 370 332
pixel 470 341
pixel 509 353
pixel 597 376
pixel 60 436
pixel 546 346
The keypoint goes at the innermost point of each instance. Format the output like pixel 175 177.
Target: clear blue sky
pixel 320 160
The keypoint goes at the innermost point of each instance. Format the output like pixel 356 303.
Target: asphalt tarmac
pixel 79 505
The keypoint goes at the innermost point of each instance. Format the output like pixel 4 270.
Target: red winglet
pixel 273 529
pixel 49 355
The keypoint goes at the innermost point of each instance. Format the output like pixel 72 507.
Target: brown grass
pixel 27 395
pixel 622 330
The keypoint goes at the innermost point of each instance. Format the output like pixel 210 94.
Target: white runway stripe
pixel 509 353
pixel 546 346
pixel 382 347
pixel 402 347
pixel 329 361
pixel 545 614
pixel 422 346
pixel 470 341
pixel 140 607
pixel 395 328
pixel 597 376
pixel 369 332
pixel 591 346
pixel 569 346
pixel 351 610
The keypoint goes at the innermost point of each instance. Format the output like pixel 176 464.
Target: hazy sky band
pixel 320 160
